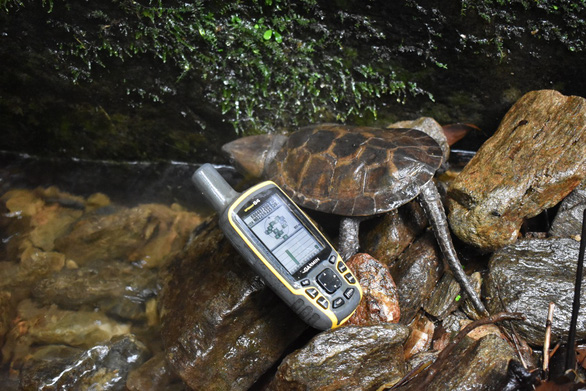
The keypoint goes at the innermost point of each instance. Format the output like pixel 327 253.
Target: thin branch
pixel 547 341
pixel 571 352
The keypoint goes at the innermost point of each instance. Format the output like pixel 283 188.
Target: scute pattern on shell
pixel 354 171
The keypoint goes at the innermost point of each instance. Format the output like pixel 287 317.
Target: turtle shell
pixel 354 171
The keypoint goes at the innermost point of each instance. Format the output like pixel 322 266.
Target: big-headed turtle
pixel 354 171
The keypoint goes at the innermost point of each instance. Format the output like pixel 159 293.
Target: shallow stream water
pixel 82 245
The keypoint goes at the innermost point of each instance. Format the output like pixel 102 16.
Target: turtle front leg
pixel 348 243
pixel 430 201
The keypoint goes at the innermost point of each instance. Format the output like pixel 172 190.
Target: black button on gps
pixel 311 292
pixel 329 280
pixel 341 267
pixel 350 278
pixel 348 293
pixel 323 302
pixel 338 302
pixel 332 259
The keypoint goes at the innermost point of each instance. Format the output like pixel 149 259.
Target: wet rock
pixel 117 288
pixel 155 374
pixel 430 127
pixel 420 336
pixel 421 360
pixel 444 298
pixel 526 276
pixel 49 325
pixel 103 366
pixel 536 157
pixel 473 365
pixel 149 234
pixel 568 220
pixel 346 358
pixel 388 236
pixel 380 302
pixel 447 296
pixel 221 326
pixel 416 273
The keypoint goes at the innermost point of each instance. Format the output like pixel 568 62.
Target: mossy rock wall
pixel 152 80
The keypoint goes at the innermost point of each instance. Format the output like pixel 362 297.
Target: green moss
pixel 518 22
pixel 258 59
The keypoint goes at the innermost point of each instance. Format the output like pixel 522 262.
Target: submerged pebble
pixel 149 234
pixel 118 288
pixel 48 325
pixel 79 285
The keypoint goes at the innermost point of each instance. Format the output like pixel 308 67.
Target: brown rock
pixel 155 374
pixel 221 326
pixel 346 358
pixel 444 298
pixel 387 237
pixel 380 301
pixel 416 273
pixel 536 157
pixel 6 314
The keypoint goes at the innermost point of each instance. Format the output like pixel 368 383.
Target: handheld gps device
pixel 285 248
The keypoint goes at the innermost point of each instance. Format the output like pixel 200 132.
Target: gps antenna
pixel 214 187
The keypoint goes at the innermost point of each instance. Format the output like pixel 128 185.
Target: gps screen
pixel 283 234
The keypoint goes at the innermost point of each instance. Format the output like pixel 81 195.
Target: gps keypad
pixel 329 280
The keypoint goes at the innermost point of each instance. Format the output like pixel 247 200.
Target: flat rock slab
pixel 221 326
pixel 536 157
pixel 526 276
pixel 346 358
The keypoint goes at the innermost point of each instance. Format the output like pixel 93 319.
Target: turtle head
pixel 252 154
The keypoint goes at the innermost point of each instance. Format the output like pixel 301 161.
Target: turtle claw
pixel 429 199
